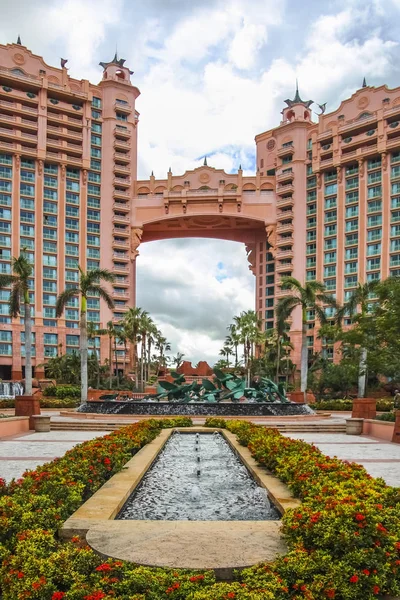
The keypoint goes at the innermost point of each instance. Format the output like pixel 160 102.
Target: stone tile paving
pixel 22 452
pixel 380 458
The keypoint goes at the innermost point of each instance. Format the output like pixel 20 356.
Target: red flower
pixel 20 575
pixel 230 595
pixel 58 596
pixel 376 589
pixel 360 517
pixel 353 579
pixel 104 567
pixel 380 527
pixel 330 593
pixel 107 461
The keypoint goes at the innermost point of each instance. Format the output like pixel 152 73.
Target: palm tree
pixel 248 328
pixel 233 339
pixel 131 323
pixel 177 360
pixel 162 346
pixel 360 297
pixel 151 338
pixel 110 330
pixel 281 337
pixel 123 339
pixel 19 295
pixel 146 323
pixel 92 332
pixel 89 283
pixel 311 296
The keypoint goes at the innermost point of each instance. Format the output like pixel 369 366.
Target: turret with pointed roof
pixel 119 62
pixel 297 99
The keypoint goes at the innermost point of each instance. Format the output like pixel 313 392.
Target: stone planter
pixel 364 408
pixel 41 423
pixel 297 397
pixel 354 426
pixel 27 406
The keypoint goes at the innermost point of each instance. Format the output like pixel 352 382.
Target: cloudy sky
pixel 212 74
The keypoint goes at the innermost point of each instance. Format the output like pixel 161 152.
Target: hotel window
pixel 330 271
pixel 331 189
pixel 287 159
pixel 374 177
pixel 351 240
pixel 95 152
pixel 72 198
pixel 352 225
pixel 49 207
pixel 373 277
pixel 5 213
pixel 330 230
pixel 331 202
pixel 72 186
pixel 50 194
pixel 375 191
pixel 351 253
pixel 94 177
pixel 94 189
pixel 26 163
pixel 24 229
pixel 330 244
pixel 6 241
pixel 121 117
pixel 96 102
pixel 330 257
pixel 351 197
pixel 72 211
pixel 330 216
pixel 95 140
pixel 311 249
pixel 50 169
pixel 310 276
pixel 375 206
pixel 374 221
pixel 374 249
pixel 374 163
pixel 395 260
pixel 28 203
pixel 352 211
pixel 351 267
pixel 350 281
pixel 5 199
pixel 96 114
pixel 311 262
pixel 49 234
pixel 395 188
pixel 395 202
pixel 312 222
pixel 373 263
pixel 351 183
pixel 395 230
pixel 27 176
pixel 49 286
pixel 330 284
pixel 395 245
pixel 50 181
pixel 395 172
pixel 375 234
pixel 49 260
pixel 26 190
pixel 5 186
pixel 5 159
pixel 50 299
pixel 395 216
pixel 95 165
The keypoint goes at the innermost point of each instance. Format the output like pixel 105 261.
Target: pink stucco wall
pixel 13 425
pixel 378 429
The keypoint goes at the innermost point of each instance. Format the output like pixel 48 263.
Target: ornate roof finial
pixel 364 84
pixel 152 174
pixel 63 62
pixel 169 170
pixel 19 40
pixel 297 99
pixel 240 167
pixel 115 61
pixel 205 162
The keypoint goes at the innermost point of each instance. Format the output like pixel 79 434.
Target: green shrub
pixel 389 416
pixel 346 405
pixel 384 404
pixel 215 422
pixel 62 391
pixel 59 403
pixel 50 390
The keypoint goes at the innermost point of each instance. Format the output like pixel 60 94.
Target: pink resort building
pixel 323 204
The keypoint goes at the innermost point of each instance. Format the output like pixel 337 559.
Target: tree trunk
pixel 84 351
pixel 362 373
pixel 236 356
pixel 125 358
pixel 148 359
pixel 110 359
pixel 278 359
pixel 116 360
pixel 28 346
pixel 304 356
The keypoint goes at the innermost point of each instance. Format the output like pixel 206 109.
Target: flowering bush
pixel 343 541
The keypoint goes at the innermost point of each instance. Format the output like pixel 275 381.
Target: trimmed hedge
pixel 46 403
pixel 391 417
pixel 382 405
pixel 344 540
pixel 62 391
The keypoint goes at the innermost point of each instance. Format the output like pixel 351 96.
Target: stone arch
pixel 249 187
pixel 177 188
pixel 230 186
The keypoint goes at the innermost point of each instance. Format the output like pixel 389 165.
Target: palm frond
pixel 285 307
pixel 6 280
pixel 103 293
pixel 290 283
pixel 97 275
pixel 14 302
pixel 63 298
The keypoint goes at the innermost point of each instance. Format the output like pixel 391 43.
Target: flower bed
pixel 382 405
pixel 344 541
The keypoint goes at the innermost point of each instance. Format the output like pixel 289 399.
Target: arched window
pixel 364 115
pixel 120 74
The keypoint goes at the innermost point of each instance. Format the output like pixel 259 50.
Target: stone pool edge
pixel 105 504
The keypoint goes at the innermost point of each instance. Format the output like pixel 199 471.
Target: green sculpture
pixel 225 386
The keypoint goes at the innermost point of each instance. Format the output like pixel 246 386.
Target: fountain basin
pixel 146 542
pixel 222 409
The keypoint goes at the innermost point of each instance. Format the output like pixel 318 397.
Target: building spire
pixel 19 40
pixel 205 162
pixel 297 99
pixel 240 167
pixel 364 83
pixel 152 174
